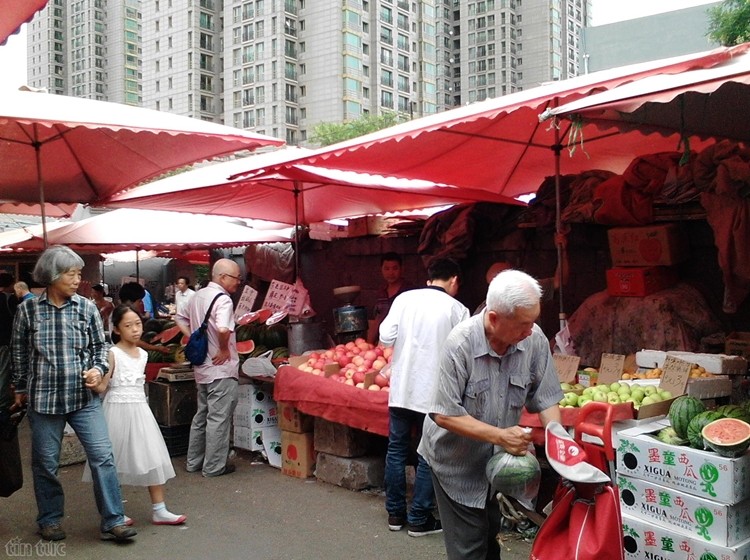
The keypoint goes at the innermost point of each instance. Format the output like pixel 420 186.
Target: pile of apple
pixel 615 393
pixel 357 361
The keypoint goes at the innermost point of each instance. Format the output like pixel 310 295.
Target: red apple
pixel 381 381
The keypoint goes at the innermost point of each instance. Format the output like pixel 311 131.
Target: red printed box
pixel 663 244
pixel 639 281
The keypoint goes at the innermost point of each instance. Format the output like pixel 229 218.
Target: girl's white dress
pixel 141 456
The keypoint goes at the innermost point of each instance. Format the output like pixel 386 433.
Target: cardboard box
pixel 646 540
pixel 708 520
pixel 714 363
pixel 326 231
pixel 292 420
pixel 639 281
pixel 256 415
pixel 297 454
pixel 272 446
pixel 255 393
pixel 738 344
pixel 700 473
pixel 247 438
pixel 657 245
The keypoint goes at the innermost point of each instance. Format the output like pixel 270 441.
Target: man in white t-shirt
pixel 417 325
pixel 182 295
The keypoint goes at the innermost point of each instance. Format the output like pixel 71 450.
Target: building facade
pixel 279 67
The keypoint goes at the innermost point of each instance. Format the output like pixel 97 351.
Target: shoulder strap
pixel 210 307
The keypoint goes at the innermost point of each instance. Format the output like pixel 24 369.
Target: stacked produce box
pixel 256 421
pixel 643 259
pixel 685 484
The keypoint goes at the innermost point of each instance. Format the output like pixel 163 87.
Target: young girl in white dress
pixel 141 456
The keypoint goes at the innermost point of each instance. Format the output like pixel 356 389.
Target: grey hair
pixel 511 290
pixel 54 262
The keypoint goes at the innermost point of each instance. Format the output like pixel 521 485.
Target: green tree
pixel 327 133
pixel 730 22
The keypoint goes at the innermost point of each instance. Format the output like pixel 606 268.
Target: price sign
pixel 675 375
pixel 277 296
pixel 611 368
pixel 566 367
pixel 246 302
pixel 285 297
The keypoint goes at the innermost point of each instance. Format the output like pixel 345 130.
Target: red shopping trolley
pixel 585 522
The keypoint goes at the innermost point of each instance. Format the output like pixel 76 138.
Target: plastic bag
pixel 517 476
pixel 259 366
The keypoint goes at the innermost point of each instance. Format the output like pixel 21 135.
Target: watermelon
pixel 729 437
pixel 682 410
pixel 170 335
pixel 669 435
pixel 517 476
pixel 695 428
pixel 734 411
pixel 245 347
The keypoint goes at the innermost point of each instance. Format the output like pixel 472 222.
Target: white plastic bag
pixel 259 366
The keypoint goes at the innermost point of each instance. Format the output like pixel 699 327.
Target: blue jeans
pixel 46 441
pixel 402 423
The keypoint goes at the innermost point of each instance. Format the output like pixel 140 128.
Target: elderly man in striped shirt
pixel 491 366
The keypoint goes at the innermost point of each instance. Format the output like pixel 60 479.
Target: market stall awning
pixel 701 102
pixel 499 144
pixel 15 13
pixel 264 186
pixel 127 229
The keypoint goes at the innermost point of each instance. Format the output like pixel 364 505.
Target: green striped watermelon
pixel 734 411
pixel 514 475
pixel 682 410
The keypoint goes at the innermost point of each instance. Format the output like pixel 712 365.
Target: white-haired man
pixel 492 365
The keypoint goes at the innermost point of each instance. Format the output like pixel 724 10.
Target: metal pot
pixel 306 336
pixel 350 318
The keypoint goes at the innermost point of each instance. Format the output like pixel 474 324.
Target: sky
pixel 13 53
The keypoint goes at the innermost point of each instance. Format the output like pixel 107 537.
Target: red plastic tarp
pixel 334 401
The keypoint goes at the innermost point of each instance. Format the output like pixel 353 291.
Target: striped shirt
pixel 52 347
pixel 476 381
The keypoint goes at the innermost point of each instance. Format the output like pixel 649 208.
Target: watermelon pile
pixel 724 430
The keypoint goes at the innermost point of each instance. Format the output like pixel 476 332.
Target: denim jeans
pixel 46 441
pixel 402 424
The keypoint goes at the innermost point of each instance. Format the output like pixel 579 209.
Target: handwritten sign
pixel 285 297
pixel 566 367
pixel 611 368
pixel 675 375
pixel 246 302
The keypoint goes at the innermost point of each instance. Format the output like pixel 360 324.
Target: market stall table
pixel 334 401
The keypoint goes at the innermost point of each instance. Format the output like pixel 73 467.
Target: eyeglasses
pixel 232 276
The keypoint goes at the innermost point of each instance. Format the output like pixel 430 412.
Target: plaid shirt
pixel 51 348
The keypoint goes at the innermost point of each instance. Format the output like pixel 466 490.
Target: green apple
pixel 588 391
pixel 614 386
pixel 583 400
pixel 650 389
pixel 613 398
pixel 647 400
pixel 600 396
pixel 570 399
pixel 636 404
pixel 624 390
pixel 566 387
pixel 637 394
pixel 665 395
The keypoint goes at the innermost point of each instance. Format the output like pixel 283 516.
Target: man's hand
pixel 515 440
pixel 222 356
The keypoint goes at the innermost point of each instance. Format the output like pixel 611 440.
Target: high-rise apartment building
pixel 279 67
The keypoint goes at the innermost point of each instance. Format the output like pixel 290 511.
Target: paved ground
pixel 255 513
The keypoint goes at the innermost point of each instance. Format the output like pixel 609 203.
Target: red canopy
pixel 15 14
pixel 291 194
pixel 499 144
